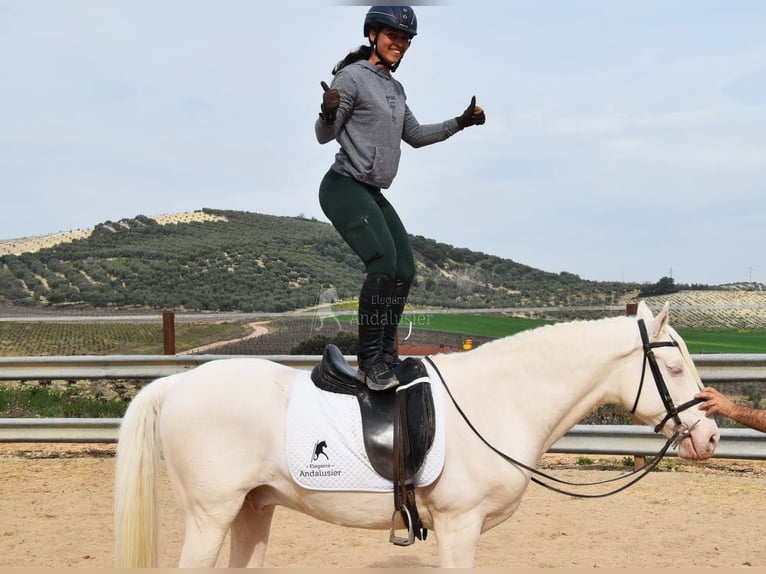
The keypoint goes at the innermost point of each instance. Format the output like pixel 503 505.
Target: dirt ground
pixel 55 511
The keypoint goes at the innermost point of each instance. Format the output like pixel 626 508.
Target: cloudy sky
pixel 625 140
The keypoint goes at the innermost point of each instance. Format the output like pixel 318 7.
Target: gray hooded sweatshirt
pixel 371 122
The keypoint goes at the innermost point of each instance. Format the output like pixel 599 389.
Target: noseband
pixel 670 408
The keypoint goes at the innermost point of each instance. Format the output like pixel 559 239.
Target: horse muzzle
pixel 696 441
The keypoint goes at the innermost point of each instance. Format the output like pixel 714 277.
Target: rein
pixel 681 432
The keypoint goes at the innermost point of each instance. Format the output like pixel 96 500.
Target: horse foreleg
pixel 250 535
pixel 457 538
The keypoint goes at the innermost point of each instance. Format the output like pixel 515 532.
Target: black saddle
pixel 398 426
pixel 379 410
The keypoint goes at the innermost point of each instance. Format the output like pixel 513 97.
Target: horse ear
pixel 661 320
pixel 644 312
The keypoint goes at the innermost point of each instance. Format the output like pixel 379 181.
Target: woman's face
pixel 392 44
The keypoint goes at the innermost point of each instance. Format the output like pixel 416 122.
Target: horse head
pixel 669 381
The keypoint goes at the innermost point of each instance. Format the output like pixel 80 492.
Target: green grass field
pixel 715 341
pixel 54 403
pixel 484 325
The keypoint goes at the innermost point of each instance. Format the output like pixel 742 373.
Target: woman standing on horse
pixel 366 112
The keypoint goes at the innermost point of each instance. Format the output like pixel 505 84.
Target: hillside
pixel 36 243
pixel 241 261
pixel 720 309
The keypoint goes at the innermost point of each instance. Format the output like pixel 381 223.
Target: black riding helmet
pixel 396 17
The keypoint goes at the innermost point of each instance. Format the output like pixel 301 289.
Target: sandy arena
pixel 56 512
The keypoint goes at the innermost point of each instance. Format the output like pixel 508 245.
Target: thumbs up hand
pixel 330 103
pixel 472 116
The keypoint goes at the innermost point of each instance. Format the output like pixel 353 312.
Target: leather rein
pixel 681 431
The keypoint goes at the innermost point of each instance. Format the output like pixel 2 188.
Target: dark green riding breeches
pixel 369 224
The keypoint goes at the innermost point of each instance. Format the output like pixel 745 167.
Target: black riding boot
pixel 374 299
pixel 395 310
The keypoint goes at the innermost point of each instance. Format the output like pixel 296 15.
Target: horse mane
pixel 685 355
pixel 568 329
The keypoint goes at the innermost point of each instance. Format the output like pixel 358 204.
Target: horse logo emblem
pixel 325 309
pixel 319 450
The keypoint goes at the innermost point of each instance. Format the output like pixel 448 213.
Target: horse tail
pixel 136 482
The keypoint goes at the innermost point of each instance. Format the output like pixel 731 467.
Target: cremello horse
pixel 220 429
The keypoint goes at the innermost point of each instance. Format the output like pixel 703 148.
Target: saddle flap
pixel 380 412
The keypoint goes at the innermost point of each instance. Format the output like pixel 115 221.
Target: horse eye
pixel 675 370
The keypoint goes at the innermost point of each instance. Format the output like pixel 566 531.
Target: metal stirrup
pixel 400 541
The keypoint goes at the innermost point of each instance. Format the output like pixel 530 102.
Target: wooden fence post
pixel 169 332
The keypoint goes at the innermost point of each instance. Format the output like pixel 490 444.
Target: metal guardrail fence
pixel 581 439
pixel 718 369
pixel 714 368
pixel 125 366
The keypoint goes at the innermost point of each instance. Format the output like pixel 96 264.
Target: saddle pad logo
pixel 317 469
pixel 319 450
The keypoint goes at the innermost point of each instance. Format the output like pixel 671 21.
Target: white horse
pixel 221 431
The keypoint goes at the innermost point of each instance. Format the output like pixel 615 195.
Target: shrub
pixel 348 343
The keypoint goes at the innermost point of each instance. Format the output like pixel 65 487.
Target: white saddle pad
pixel 325 445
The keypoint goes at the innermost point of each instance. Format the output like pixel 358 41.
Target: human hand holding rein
pixel 472 116
pixel 330 103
